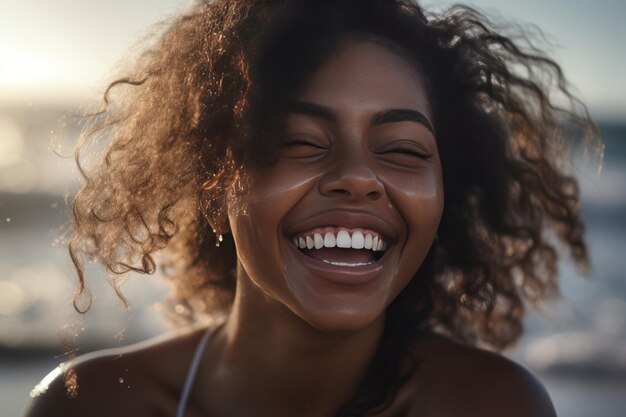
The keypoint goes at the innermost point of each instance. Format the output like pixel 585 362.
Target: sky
pixel 57 51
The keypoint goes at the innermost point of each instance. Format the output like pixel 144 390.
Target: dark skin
pixel 359 153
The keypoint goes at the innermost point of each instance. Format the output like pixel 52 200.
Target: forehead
pixel 364 75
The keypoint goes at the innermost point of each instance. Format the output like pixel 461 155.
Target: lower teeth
pixel 347 263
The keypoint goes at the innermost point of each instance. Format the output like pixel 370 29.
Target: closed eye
pixel 404 153
pixel 404 147
pixel 300 142
pixel 407 151
pixel 302 149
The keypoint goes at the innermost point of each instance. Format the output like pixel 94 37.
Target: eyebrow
pixel 311 109
pixel 382 117
pixel 402 115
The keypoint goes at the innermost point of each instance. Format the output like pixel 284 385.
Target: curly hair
pixel 199 107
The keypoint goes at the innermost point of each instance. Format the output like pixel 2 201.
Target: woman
pixel 365 193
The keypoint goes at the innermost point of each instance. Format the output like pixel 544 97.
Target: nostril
pixel 356 183
pixel 375 195
pixel 352 192
pixel 341 192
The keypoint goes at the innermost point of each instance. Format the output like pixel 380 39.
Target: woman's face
pixel 340 223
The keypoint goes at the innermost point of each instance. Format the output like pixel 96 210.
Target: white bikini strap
pixel 191 375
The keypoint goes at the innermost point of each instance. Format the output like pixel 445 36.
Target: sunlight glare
pixel 11 141
pixel 42 387
pixel 23 66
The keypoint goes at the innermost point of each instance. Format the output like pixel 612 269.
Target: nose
pixel 351 178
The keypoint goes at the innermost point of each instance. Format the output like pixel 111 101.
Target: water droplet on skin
pixel 121 380
pixel 8 220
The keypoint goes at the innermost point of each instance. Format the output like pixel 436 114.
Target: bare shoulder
pixel 141 379
pixel 457 380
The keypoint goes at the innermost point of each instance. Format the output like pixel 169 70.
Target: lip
pixel 344 275
pixel 346 218
pixel 341 217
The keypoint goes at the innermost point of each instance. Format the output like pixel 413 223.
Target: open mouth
pixel 342 246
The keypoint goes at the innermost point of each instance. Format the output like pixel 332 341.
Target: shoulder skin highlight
pixel 458 380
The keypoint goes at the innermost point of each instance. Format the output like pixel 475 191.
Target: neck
pixel 284 366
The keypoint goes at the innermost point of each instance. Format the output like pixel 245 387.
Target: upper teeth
pixel 356 239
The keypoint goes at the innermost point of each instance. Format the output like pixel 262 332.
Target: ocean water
pixel 577 344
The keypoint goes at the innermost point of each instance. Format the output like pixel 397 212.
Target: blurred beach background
pixel 55 58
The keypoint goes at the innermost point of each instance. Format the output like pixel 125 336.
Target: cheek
pixel 281 184
pixel 253 227
pixel 419 200
pixel 256 216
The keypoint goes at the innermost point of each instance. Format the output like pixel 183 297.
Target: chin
pixel 342 319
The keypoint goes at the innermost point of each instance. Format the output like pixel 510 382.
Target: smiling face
pixel 342 220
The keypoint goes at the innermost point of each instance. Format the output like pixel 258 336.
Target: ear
pixel 214 207
pixel 220 226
